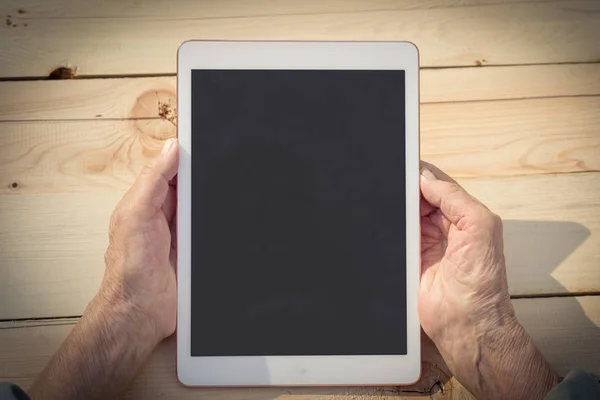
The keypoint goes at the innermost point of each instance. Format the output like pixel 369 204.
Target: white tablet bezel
pixel 298 370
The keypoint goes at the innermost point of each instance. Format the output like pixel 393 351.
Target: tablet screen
pixel 298 213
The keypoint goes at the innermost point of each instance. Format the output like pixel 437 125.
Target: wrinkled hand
pixel 142 251
pixel 463 277
pixel 464 303
pixel 137 303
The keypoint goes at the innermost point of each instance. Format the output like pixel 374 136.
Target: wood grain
pixel 45 157
pixel 52 252
pixel 567 331
pixel 517 137
pixel 95 99
pixel 509 82
pixel 497 34
pixel 39 9
pixel 137 97
pixel 52 243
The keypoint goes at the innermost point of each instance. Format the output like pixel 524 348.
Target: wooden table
pixel 510 107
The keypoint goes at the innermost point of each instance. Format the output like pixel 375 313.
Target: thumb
pixel 441 191
pixel 152 184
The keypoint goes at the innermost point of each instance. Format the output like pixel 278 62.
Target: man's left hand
pixel 142 251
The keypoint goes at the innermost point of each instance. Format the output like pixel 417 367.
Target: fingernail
pixel 167 146
pixel 427 174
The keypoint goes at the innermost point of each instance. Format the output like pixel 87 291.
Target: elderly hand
pixel 464 304
pixel 142 250
pixel 136 306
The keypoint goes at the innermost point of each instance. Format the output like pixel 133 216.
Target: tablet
pixel 298 213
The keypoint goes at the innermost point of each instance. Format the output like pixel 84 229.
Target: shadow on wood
pixel 544 245
pixel 540 246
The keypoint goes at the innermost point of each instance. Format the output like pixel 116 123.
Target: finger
pixel 441 222
pixel 173 259
pixel 152 185
pixel 173 250
pixel 170 203
pixel 442 192
pixel 425 207
pixel 437 173
pixel 429 230
pixel 173 230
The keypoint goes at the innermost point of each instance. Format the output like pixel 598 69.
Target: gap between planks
pixel 115 98
pixel 14 323
pixel 174 74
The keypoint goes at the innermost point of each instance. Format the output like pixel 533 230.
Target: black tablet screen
pixel 298 213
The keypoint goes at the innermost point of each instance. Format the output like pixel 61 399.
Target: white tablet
pixel 298 218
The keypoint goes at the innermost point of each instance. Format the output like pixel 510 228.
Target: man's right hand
pixel 464 304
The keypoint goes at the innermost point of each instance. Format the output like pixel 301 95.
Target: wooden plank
pixel 44 157
pixel 498 34
pixel 39 9
pixel 567 331
pixel 52 251
pixel 518 137
pixel 509 82
pixel 86 99
pixel 125 97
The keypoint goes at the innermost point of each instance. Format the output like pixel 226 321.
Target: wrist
pixel 519 367
pixel 102 353
pixel 492 355
pixel 121 315
pixel 507 365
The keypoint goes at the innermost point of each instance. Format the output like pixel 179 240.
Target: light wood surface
pixel 40 9
pixel 51 259
pixel 563 136
pixel 516 137
pixel 509 82
pixel 565 330
pixel 510 98
pixel 494 34
pixel 120 98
